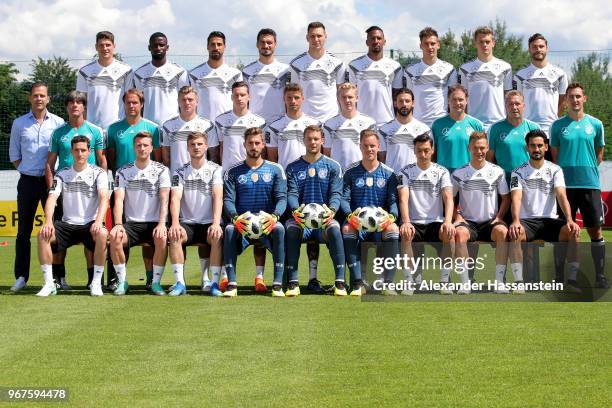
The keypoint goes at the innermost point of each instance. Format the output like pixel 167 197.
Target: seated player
pixel 536 188
pixel 314 178
pixel 195 207
pixel 368 183
pixel 426 206
pixel 479 217
pixel 84 191
pixel 254 185
pixel 142 188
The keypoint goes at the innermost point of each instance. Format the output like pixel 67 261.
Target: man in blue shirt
pixel 314 178
pixel 29 145
pixel 254 185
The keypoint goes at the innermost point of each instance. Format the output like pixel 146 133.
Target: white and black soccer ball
pixel 314 215
pixel 254 229
pixel 370 218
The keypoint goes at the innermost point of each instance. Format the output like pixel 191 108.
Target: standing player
pixel 397 136
pixel 480 217
pixel 507 137
pixel 195 208
pixel 266 78
pixel 254 185
pixel 104 82
pixel 426 206
pixel 534 187
pixel 314 178
pixel 451 133
pixel 577 142
pixel 486 79
pixel 160 81
pixel 375 76
pixel 429 79
pixel 543 85
pixel 368 183
pixel 214 79
pixel 318 72
pixel 84 190
pixel 141 198
pixel 29 146
pixel 342 132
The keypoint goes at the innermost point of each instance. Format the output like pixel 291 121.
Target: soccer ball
pixel 314 215
pixel 254 230
pixel 370 218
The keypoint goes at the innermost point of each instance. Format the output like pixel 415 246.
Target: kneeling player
pixel 84 191
pixel 142 187
pixel 196 206
pixel 369 183
pixel 254 185
pixel 426 207
pixel 534 187
pixel 314 178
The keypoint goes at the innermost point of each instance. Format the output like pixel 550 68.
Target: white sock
pixel 121 273
pixel 312 268
pixel 158 271
pixel 444 275
pixel 500 272
pixel 517 271
pixel 97 276
pixel 408 274
pixel 464 276
pixel 178 273
pixel 223 273
pixel 215 272
pixel 572 270
pixel 204 262
pixel 259 270
pixel 47 271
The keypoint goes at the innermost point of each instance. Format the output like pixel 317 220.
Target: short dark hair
pixel 157 34
pixel 532 134
pixel 241 84
pixel 484 30
pixel 367 133
pixel 79 139
pixel 253 131
pixel 424 138
pixel 478 135
pixel 197 135
pixel 38 84
pixel 105 35
pixel 136 92
pixel 266 31
pixel 77 96
pixel 293 87
pixel 457 87
pixel 574 85
pixel 314 128
pixel 214 34
pixel 315 24
pixel 536 36
pixel 374 28
pixel 404 91
pixel 143 134
pixel 427 32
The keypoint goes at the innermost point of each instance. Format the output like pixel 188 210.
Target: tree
pixel 60 78
pixel 13 103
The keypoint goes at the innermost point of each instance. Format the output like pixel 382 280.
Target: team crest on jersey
pixel 322 173
pixel 445 131
pixel 359 182
pixel 503 135
pixel 242 179
pixel 564 131
pixel 302 175
pixel 175 180
pixel 588 129
pixel 380 182
pixel 254 177
pixel 266 177
pixel 312 172
pixel 369 181
pixel 469 130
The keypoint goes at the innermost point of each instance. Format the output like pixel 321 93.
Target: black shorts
pixel 139 233
pixel 427 232
pixel 196 233
pixel 543 228
pixel 479 231
pixel 67 235
pixel 588 201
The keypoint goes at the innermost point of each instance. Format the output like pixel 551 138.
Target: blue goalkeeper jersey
pixel 319 182
pixel 363 188
pixel 260 189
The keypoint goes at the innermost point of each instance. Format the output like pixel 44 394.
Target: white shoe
pixel 389 292
pixel 464 291
pixel 20 283
pixel 96 290
pixel 63 285
pixel 407 292
pixel 47 290
pixel 206 284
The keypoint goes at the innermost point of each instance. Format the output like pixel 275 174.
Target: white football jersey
pixel 430 83
pixel 318 78
pixel 342 137
pixel 160 87
pixel 541 88
pixel 79 191
pixel 230 130
pixel 104 87
pixel 266 86
pixel 375 81
pixel 538 187
pixel 214 88
pixel 478 190
pixel 486 83
pixel 174 133
pixel 397 140
pixel 197 185
pixel 141 202
pixel 425 202
pixel 287 135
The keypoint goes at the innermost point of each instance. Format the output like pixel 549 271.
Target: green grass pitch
pixel 314 351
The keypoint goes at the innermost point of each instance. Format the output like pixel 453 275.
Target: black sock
pixel 598 252
pixel 560 253
pixel 89 275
